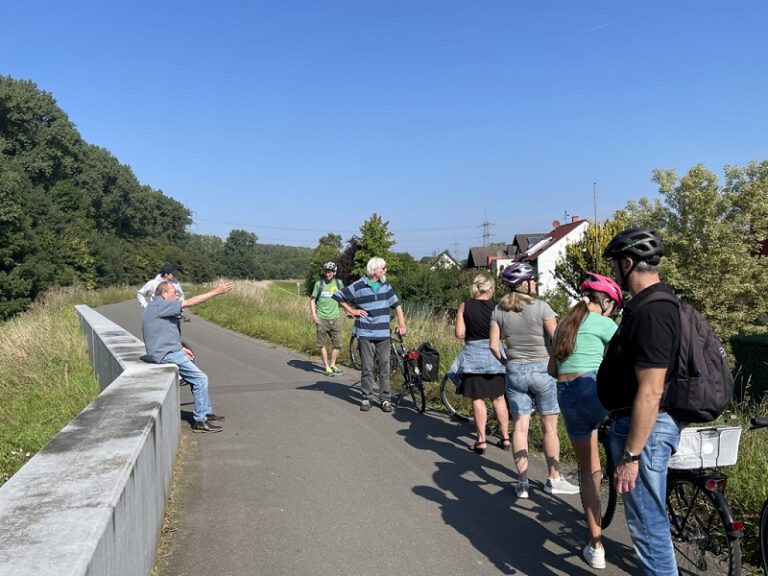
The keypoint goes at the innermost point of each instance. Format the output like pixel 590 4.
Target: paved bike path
pixel 300 482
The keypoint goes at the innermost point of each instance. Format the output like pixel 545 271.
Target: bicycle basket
pixel 707 447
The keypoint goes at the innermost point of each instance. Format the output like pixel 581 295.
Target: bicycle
pixel 757 423
pixel 705 534
pixel 408 375
pixel 354 354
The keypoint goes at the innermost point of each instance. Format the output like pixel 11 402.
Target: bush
pixel 751 366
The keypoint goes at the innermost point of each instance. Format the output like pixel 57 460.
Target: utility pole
pixel 486 231
pixel 594 200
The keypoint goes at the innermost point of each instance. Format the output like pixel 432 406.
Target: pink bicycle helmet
pixel 599 283
pixel 516 273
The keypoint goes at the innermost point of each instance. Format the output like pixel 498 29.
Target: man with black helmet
pixel 631 385
pixel 325 315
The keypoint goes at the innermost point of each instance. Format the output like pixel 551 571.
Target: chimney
pixel 574 219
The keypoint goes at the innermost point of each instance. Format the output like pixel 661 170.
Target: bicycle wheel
pixel 699 530
pixel 608 495
pixel 397 380
pixel 416 387
pixel 354 352
pixel 764 536
pixel 458 406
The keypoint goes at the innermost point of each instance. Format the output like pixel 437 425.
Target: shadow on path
pixel 477 500
pixel 305 365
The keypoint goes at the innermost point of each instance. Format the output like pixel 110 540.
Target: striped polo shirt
pixel 375 326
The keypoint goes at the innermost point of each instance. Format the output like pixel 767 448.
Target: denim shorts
pixel 529 383
pixel 582 411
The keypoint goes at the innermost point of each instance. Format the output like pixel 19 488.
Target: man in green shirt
pixel 325 314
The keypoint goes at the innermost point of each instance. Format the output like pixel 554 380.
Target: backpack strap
pixel 321 284
pixel 663 296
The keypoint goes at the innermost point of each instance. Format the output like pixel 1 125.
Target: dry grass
pixel 45 374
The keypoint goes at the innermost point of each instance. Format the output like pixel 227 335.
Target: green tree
pixel 203 258
pixel 711 233
pixel 375 240
pixel 16 242
pixel 328 249
pixel 240 254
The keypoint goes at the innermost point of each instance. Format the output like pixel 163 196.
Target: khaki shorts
pixel 329 329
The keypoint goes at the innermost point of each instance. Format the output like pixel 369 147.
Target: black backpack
pixel 700 385
pixel 429 362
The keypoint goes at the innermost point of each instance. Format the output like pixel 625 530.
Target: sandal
pixel 479 447
pixel 505 444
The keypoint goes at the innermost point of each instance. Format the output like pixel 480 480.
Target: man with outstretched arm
pixel 162 340
pixel 373 298
pixel 631 386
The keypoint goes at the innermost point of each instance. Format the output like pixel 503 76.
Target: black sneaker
pixel 365 406
pixel 205 427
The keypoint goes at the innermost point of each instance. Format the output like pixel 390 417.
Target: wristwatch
pixel 629 457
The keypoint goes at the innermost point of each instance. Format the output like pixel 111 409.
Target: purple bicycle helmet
pixel 516 273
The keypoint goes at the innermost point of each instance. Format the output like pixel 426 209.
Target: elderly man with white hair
pixel 370 300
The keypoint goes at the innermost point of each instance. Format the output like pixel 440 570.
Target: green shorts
pixel 329 329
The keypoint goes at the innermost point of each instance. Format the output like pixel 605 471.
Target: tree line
pixel 71 213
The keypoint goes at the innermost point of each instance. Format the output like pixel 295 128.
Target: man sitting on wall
pixel 162 340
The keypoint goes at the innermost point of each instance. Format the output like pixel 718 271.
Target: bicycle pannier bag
pixel 700 385
pixel 429 362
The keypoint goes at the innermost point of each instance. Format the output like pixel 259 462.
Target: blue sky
pixel 295 118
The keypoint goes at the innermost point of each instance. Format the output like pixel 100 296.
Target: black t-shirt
pixel 648 337
pixel 477 319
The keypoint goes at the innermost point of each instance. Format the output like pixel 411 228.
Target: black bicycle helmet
pixel 516 273
pixel 641 244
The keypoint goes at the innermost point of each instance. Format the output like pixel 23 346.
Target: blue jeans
pixel 580 407
pixel 645 505
pixel 526 383
pixel 197 380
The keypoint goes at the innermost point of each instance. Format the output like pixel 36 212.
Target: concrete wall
pixel 92 501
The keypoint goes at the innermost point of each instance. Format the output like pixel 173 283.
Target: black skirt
pixel 479 386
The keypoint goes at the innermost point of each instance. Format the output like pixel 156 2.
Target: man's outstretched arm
pixel 222 288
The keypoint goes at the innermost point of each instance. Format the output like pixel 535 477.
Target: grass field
pixel 45 373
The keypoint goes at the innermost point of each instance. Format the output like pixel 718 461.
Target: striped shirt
pixel 375 326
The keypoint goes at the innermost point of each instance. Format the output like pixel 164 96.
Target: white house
pixel 541 249
pixel 444 261
pixel 544 255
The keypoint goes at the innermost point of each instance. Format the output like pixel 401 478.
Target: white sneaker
pixel 521 489
pixel 595 557
pixel 560 486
